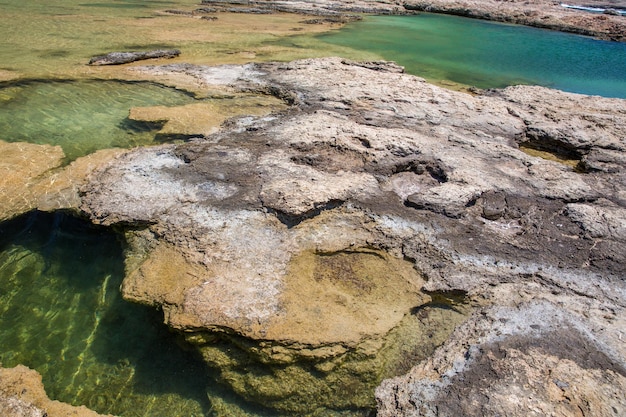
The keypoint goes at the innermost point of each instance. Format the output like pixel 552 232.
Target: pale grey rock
pixel 530 359
pixel 449 199
pixel 600 220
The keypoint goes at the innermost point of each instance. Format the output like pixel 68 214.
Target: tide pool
pixel 61 313
pixel 81 116
pixel 489 55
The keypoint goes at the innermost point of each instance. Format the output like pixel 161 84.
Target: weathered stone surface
pixel 528 359
pixel 282 243
pixel 118 58
pixel 22 395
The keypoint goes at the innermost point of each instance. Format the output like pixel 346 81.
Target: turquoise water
pixel 61 313
pixel 487 55
pixel 81 116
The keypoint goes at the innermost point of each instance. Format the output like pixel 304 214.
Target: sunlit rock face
pixel 313 252
pixel 22 395
pixel 36 177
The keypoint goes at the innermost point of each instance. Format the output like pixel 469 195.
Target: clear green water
pixel 61 313
pixel 488 55
pixel 81 116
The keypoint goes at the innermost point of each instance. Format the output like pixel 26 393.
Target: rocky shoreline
pixel 378 225
pixel 378 243
pixel 371 168
pixel 537 13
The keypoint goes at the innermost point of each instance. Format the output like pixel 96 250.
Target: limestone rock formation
pixel 531 359
pixel 339 241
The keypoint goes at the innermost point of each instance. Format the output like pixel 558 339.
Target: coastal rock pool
pixel 81 116
pixel 489 55
pixel 61 313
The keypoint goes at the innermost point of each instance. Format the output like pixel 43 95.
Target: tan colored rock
pixel 22 394
pixel 34 177
pixel 203 118
pixel 21 168
pixel 7 76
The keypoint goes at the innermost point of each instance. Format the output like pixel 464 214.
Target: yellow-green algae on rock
pixel 348 324
pixel 346 318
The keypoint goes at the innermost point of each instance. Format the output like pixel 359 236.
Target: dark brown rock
pixel 118 58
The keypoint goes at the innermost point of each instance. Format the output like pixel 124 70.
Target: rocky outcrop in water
pixel 119 58
pixel 340 241
pixel 22 395
pixel 35 177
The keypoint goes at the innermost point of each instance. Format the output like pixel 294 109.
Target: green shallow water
pixel 61 313
pixel 487 54
pixel 81 116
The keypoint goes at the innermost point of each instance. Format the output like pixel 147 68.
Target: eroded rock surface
pixel 301 249
pixel 531 359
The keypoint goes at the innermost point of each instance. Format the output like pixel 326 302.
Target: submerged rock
pixel 35 177
pixel 118 58
pixel 322 247
pixel 22 395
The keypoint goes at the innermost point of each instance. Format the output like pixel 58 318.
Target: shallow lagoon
pixel 490 55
